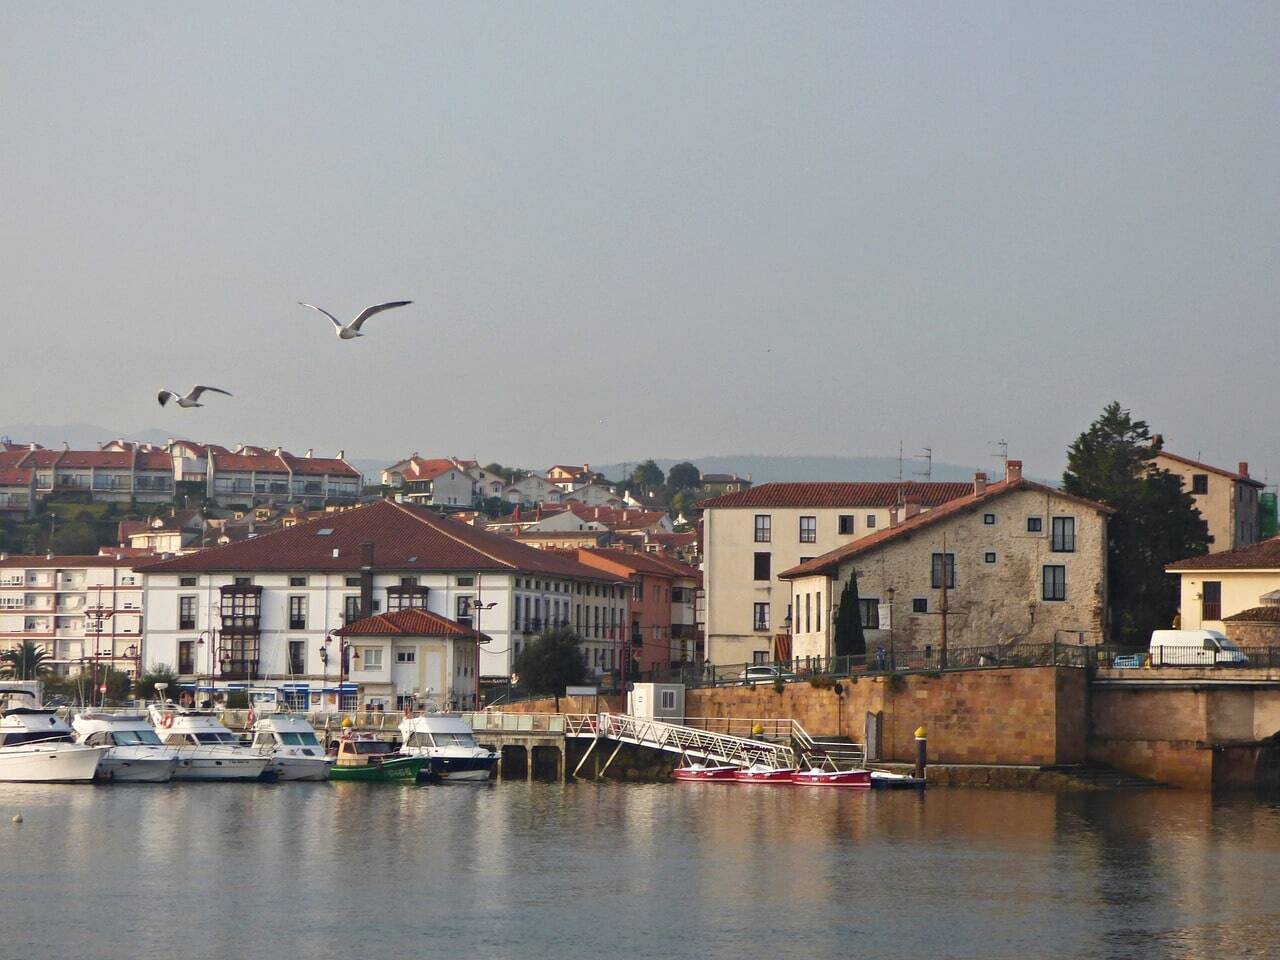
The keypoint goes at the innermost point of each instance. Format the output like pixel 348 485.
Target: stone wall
pixel 1030 715
pixel 605 703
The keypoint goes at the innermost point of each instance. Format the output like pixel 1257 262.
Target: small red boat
pixel 817 777
pixel 698 771
pixel 759 774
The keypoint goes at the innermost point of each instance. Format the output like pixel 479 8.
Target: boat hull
pixel 855 779
pixel 50 763
pixel 300 768
pixel 706 774
pixel 137 769
pixel 881 780
pixel 217 768
pixel 402 769
pixel 769 777
pixel 462 768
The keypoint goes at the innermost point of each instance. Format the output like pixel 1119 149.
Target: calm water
pixel 585 870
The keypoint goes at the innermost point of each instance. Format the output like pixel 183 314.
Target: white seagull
pixel 192 399
pixel 352 329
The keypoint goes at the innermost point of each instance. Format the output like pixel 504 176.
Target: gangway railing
pixel 718 748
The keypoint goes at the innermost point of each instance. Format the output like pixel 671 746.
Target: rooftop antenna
pixel 900 492
pixel 927 472
pixel 1002 456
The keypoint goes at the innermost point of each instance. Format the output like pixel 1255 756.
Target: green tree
pixel 160 673
pixel 647 476
pixel 1155 521
pixel 551 662
pixel 75 537
pixel 684 476
pixel 849 638
pixel 26 661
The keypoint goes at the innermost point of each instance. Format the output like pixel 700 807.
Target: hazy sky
pixel 646 230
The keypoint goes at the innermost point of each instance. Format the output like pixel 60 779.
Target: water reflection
pixel 688 870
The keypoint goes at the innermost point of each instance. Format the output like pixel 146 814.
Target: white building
pixel 267 609
pixel 78 608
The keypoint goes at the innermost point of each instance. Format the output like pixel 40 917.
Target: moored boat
pixel 818 777
pixel 134 753
pixel 449 746
pixel 364 757
pixel 36 744
pixel 758 773
pixel 291 744
pixel 206 749
pixel 705 772
pixel 884 780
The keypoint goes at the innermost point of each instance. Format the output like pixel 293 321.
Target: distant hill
pixel 765 469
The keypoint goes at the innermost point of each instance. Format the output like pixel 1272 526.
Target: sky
pixel 651 229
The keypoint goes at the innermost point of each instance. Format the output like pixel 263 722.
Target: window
pixel 668 699
pixel 351 608
pixel 762 566
pixel 186 657
pixel 186 581
pixel 989 519
pixel 989 557
pixel 353 581
pixel 1055 583
pixel 297 581
pixel 817 611
pixel 808 529
pixel 760 656
pixel 871 521
pixel 408 581
pixel 297 613
pixel 186 613
pixel 462 605
pixel 760 618
pixel 1199 483
pixel 944 571
pixel 297 657
pixel 1034 525
pixel 764 528
pixel 406 655
pixel 920 605
pixel 808 619
pixel 1062 538
pixel 371 658
pixel 869 613
pixel 1211 600
pixel 846 524
pixel 466 581
pixel 243 581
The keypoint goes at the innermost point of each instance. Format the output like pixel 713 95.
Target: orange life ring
pixel 166 721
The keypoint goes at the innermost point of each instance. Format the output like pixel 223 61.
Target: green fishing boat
pixel 366 758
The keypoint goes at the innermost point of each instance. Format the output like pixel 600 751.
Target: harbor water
pixel 664 870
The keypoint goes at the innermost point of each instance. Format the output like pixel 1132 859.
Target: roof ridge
pixel 451 535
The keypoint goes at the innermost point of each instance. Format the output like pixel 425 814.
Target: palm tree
pixel 24 662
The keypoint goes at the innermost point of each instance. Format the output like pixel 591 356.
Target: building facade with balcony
pixel 79 609
pixel 268 609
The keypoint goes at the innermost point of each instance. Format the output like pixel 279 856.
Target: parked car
pixel 765 673
pixel 1194 648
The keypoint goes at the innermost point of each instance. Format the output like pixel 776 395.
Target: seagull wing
pixel 165 396
pixel 336 323
pixel 368 312
pixel 201 388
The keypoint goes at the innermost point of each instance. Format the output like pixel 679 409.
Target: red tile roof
pixel 247 462
pixel 406 539
pixel 9 459
pixel 830 562
pixel 84 459
pixel 413 622
pixel 155 460
pixel 320 466
pixel 636 562
pixel 16 477
pixel 41 458
pixel 1264 555
pixel 1265 614
pixel 840 495
pixel 1196 464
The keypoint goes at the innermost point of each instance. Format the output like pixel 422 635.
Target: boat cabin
pixel 361 751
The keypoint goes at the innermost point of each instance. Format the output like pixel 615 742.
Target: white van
pixel 1193 648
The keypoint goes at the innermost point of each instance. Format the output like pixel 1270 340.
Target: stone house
pixel 1228 500
pixel 1011 562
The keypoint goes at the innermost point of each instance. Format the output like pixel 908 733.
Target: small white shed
pixel 657 701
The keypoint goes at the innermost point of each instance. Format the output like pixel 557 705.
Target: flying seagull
pixel 192 399
pixel 352 329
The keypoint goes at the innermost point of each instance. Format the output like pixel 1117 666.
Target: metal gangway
pixel 720 749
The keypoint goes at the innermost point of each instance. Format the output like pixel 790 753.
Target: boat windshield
pixel 299 739
pixel 218 737
pixel 134 738
pixel 370 747
pixel 455 740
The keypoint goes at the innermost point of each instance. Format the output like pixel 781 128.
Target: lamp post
pixel 201 642
pixel 889 595
pixel 478 606
pixel 324 664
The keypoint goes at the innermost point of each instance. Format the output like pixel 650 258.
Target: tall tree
pixel 647 476
pixel 684 476
pixel 551 662
pixel 849 638
pixel 26 661
pixel 1155 521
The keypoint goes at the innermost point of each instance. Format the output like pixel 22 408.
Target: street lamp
pixel 200 642
pixel 889 595
pixel 478 606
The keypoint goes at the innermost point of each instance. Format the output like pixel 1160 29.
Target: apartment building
pixel 78 608
pixel 268 609
pixel 439 482
pixel 749 537
pixel 17 492
pixel 1227 499
pixel 1010 562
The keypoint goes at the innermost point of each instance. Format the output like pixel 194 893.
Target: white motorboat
pixel 134 752
pixel 206 749
pixel 291 743
pixel 449 744
pixel 36 745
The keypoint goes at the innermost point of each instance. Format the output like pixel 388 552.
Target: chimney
pixel 912 506
pixel 335 553
pixel 893 516
pixel 1243 468
pixel 979 484
pixel 1157 442
pixel 366 578
pixel 1013 471
pixel 342 454
pixel 310 452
